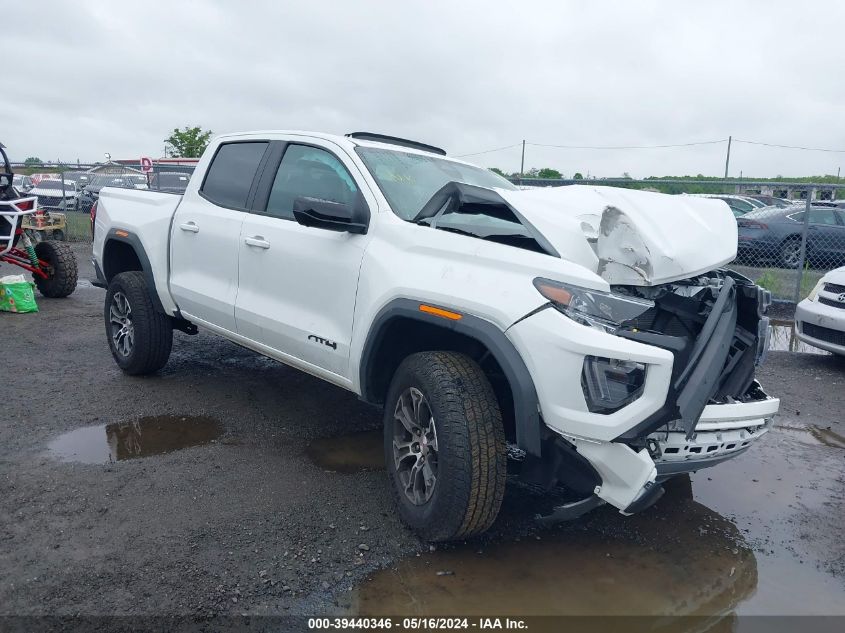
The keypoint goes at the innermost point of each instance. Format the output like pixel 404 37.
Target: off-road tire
pixel 64 272
pixel 58 236
pixel 152 330
pixel 471 456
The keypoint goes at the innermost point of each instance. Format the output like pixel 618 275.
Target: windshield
pixel 108 181
pixel 741 205
pixel 171 180
pixel 408 180
pixel 55 184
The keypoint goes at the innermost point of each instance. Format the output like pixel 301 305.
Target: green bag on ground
pixel 16 294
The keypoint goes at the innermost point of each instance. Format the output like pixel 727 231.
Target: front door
pixel 297 284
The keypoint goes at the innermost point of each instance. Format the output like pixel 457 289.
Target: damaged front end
pixel 710 409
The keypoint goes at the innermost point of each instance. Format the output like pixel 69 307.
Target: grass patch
pixel 771 281
pixel 78 227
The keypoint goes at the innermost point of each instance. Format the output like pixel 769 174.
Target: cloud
pixel 93 77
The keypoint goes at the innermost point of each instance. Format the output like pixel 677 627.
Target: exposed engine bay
pixel 715 327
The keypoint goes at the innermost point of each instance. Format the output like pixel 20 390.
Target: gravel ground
pixel 250 524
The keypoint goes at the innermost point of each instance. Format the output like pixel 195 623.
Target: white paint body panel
pixel 658 238
pixel 816 313
pixel 333 285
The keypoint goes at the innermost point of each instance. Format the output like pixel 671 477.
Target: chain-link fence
pixel 66 195
pixel 789 234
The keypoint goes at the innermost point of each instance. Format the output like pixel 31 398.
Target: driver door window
pixel 309 172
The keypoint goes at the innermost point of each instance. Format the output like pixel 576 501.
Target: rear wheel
pixel 140 337
pixel 58 235
pixel 444 446
pixel 790 253
pixel 62 272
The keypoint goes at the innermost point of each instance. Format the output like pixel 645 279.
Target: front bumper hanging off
pixel 675 426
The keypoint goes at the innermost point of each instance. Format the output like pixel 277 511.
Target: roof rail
pixel 395 140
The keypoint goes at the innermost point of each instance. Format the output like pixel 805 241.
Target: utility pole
pixel 728 158
pixel 522 163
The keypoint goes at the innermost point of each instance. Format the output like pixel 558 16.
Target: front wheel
pixel 140 337
pixel 61 269
pixel 444 446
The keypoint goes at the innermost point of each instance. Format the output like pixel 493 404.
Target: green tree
pixel 33 161
pixel 578 176
pixel 189 142
pixel 496 170
pixel 548 172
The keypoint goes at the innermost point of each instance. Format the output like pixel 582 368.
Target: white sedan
pixel 820 318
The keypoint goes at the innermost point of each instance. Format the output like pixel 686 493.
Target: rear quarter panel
pixel 147 215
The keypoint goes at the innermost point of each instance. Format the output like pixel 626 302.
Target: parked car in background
pixel 137 181
pixel 55 195
pixel 775 235
pixel 170 181
pixel 81 178
pixel 820 318
pixel 91 193
pixel 741 203
pixel 834 204
pixel 771 201
pixel 22 183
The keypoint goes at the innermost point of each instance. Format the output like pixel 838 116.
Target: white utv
pixel 588 331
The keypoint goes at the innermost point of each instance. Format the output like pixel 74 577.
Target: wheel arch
pixel 400 328
pixel 124 252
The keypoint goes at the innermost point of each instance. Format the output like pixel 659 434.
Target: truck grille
pixel 823 333
pixel 834 288
pixel 831 302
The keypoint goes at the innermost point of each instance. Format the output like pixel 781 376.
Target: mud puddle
pixel 783 339
pixel 144 437
pixel 351 453
pixel 750 536
pixel 813 434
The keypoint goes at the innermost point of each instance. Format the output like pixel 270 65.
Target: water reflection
pixel 129 440
pixel 351 453
pixel 783 339
pixel 680 559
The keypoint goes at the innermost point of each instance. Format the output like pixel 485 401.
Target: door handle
pixel 191 227
pixel 257 241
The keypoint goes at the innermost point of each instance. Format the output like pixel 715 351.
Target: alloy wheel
pixel 120 322
pixel 415 446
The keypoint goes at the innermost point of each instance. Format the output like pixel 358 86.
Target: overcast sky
pixel 85 77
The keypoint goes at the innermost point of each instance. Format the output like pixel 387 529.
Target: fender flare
pixel 138 248
pixel 525 401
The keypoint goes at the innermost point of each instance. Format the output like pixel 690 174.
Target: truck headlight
pixel 602 310
pixel 609 383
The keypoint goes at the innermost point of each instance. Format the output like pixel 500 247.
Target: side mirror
pixel 333 216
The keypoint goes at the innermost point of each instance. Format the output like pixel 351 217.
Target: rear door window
pixel 231 173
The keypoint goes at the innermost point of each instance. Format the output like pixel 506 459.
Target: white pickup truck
pixel 586 333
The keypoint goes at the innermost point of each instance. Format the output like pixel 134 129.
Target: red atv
pixel 52 264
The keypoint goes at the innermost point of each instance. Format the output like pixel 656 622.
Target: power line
pixel 723 140
pixel 809 149
pixel 489 151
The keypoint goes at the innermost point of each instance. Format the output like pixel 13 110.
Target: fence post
pixel 803 255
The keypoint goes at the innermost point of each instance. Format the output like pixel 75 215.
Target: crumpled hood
pixel 628 236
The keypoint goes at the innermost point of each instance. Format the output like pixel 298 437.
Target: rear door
pixel 205 235
pixel 297 284
pixel 826 236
